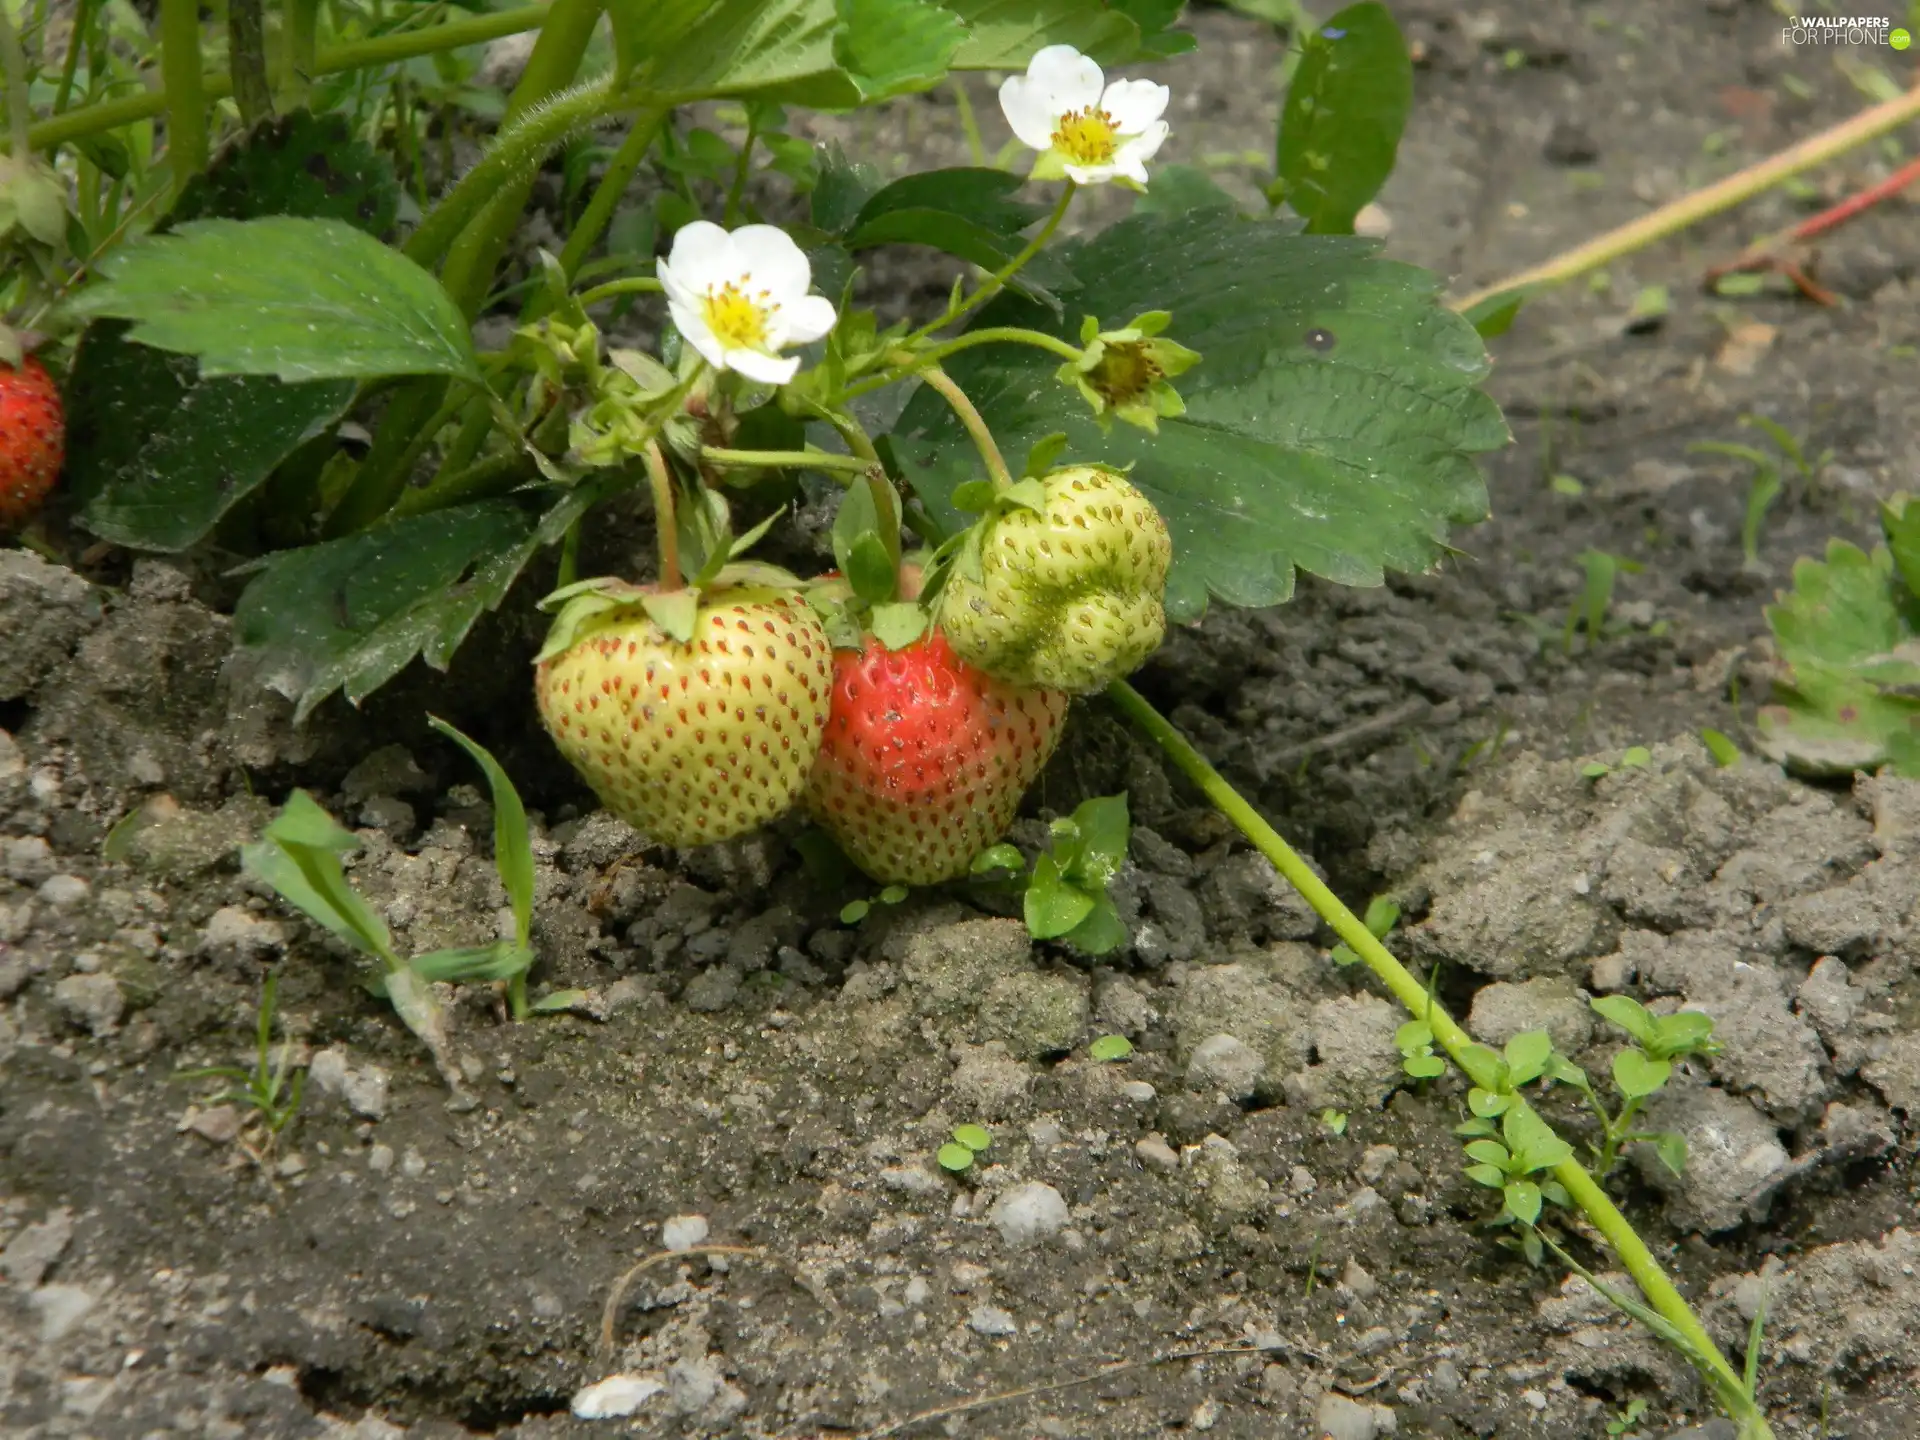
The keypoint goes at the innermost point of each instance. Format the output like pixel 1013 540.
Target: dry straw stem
pixel 1724 194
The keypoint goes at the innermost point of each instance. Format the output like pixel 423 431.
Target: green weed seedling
pixel 1768 482
pixel 957 1154
pixel 272 1088
pixel 1382 915
pixel 854 911
pixel 1639 1072
pixel 1589 611
pixel 1065 895
pixel 300 856
pixel 1629 1417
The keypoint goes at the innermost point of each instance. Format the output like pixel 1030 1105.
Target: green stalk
pixel 613 185
pixel 186 97
pixel 779 459
pixel 300 60
pixel 666 533
pixel 19 112
pixel 359 55
pixel 1474 1060
pixel 508 168
pixel 614 289
pixel 76 38
pixel 997 281
pixel 472 226
pixel 937 379
pixel 247 60
pixel 991 335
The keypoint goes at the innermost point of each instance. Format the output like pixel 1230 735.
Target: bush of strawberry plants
pixel 260 298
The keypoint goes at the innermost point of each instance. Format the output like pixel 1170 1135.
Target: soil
pixel 1253 1226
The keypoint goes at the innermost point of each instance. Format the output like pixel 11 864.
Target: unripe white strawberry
pixel 697 741
pixel 1070 595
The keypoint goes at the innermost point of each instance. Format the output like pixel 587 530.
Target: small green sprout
pixel 272 1088
pixel 1111 1047
pixel 1065 897
pixel 1725 753
pixel 1334 1121
pixel 854 911
pixel 1627 1418
pixel 958 1153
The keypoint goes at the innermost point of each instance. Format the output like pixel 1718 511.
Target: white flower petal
pixel 1090 174
pixel 767 369
pixel 694 329
pixel 702 254
pixel 1142 147
pixel 1028 113
pixel 1131 167
pixel 776 263
pixel 1070 80
pixel 1134 105
pixel 805 320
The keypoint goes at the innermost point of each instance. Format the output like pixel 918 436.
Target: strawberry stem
pixel 997 281
pixel 782 459
pixel 1472 1059
pixel 19 114
pixel 970 417
pixel 664 529
pixel 991 335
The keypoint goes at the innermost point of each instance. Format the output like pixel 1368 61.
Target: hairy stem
pixel 742 167
pixel 969 123
pixel 1407 989
pixel 666 534
pixel 186 98
pixel 997 281
pixel 19 111
pixel 791 459
pixel 247 60
pixel 938 379
pixel 359 55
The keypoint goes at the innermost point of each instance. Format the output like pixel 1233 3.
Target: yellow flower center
pixel 1087 137
pixel 738 320
pixel 1125 372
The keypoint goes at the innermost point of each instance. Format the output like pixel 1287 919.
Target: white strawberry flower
pixel 1084 128
pixel 739 298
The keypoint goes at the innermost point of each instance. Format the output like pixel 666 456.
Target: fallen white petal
pixel 615 1397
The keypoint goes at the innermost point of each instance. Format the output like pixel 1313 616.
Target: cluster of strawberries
pixel 914 759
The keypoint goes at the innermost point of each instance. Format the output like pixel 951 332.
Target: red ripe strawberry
pixel 925 758
pixel 33 440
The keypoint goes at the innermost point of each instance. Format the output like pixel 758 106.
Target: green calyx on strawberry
pixel 925 758
pixel 695 714
pixel 1062 583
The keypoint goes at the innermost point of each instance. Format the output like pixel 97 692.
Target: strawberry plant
pixel 265 314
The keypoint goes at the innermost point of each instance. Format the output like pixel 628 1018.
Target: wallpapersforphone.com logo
pixel 1844 30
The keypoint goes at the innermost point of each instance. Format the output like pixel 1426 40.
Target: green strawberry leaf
pixel 1330 426
pixel 284 296
pixel 1846 638
pixel 157 454
pixel 350 614
pixel 1340 127
pixel 1004 34
pixel 832 54
pixel 1900 521
pixel 968 213
pixel 295 164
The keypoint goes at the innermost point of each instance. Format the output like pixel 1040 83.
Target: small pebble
pixel 219 1125
pixel 1029 1213
pixel 1138 1091
pixel 683 1232
pixel 380 1159
pixel 992 1321
pixel 1155 1152
pixel 63 892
